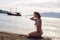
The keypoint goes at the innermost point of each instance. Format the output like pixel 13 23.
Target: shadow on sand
pixel 25 37
pixel 44 38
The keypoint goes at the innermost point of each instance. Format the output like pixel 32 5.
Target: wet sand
pixel 12 36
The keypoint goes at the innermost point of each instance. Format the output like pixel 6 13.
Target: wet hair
pixel 37 13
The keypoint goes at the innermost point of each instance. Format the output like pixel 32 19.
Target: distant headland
pixel 3 11
pixel 51 14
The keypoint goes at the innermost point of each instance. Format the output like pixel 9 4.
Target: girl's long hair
pixel 37 13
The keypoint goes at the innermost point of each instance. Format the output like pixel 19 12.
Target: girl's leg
pixel 35 35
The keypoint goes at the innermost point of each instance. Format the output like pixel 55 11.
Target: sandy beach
pixel 12 28
pixel 16 27
pixel 12 36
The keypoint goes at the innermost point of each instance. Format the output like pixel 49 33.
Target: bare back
pixel 38 24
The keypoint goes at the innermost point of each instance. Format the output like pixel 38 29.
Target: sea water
pixel 23 25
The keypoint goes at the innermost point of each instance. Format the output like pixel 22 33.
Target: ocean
pixel 23 25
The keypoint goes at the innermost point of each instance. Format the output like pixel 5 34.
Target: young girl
pixel 38 22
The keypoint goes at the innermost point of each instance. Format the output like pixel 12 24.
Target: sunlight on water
pixel 16 24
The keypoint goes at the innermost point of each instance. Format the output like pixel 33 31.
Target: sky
pixel 40 5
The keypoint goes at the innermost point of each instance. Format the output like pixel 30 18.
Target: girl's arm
pixel 33 18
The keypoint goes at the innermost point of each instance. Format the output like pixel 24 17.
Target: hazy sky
pixel 52 5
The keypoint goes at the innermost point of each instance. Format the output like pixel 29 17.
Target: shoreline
pixel 13 36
